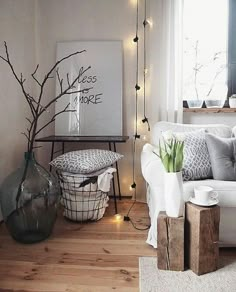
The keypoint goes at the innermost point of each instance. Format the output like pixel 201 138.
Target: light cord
pixel 137 87
pixel 145 22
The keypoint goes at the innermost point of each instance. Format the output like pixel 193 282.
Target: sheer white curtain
pixel 166 39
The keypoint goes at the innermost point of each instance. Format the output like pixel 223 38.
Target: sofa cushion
pixel 226 190
pixel 196 164
pixel 223 155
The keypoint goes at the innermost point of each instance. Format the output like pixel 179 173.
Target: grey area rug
pixel 151 279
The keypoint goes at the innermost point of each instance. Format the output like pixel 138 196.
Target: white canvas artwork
pixel 97 112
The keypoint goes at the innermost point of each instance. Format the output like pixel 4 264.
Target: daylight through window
pixel 205 39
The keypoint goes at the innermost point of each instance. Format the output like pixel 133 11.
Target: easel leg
pixel 113 184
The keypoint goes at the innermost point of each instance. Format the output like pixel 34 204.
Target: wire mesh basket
pixel 81 198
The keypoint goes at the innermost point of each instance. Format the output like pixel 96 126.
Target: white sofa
pixel 153 172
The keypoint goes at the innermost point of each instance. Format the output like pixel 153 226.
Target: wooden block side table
pixel 170 243
pixel 201 238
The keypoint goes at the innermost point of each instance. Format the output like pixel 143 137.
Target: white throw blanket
pixel 104 179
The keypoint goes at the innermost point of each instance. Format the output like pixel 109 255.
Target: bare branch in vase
pixel 35 103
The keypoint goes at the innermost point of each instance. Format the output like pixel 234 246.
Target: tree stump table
pixel 170 241
pixel 201 238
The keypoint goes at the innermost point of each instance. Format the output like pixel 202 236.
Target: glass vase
pixel 28 199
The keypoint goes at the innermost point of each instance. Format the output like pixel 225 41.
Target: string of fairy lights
pixel 137 86
pixel 145 70
pixel 137 95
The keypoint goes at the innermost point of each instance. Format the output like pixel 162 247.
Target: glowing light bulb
pixel 118 217
pixel 150 22
pixel 133 2
pixel 129 45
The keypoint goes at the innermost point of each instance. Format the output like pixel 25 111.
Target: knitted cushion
pixel 197 164
pixel 85 161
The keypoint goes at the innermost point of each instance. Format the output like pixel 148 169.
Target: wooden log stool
pixel 170 241
pixel 201 238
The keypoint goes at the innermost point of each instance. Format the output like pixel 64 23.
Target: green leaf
pixel 171 155
pixel 171 164
pixel 165 162
pixel 179 156
pixel 160 150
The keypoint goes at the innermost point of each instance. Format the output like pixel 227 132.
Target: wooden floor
pixel 101 256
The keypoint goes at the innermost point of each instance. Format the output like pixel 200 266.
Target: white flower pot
pixel 232 102
pixel 174 201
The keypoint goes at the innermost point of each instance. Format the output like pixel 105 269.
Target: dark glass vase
pixel 28 199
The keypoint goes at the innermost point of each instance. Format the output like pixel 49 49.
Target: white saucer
pixel 211 202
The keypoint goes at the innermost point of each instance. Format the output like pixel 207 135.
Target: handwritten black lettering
pixel 94 79
pixel 91 99
pixel 89 79
pixel 84 79
pixel 97 98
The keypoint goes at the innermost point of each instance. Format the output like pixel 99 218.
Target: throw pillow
pixel 85 161
pixel 196 164
pixel 223 155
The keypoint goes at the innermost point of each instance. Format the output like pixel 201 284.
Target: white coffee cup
pixel 203 194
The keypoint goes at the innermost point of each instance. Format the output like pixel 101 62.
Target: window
pixel 205 50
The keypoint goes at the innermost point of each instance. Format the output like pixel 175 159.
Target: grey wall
pixel 17 29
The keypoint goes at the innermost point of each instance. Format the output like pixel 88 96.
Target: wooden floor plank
pixel 99 256
pixel 91 257
pixel 95 260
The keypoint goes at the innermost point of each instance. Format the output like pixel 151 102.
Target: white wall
pixel 17 29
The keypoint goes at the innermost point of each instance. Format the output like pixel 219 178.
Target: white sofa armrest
pixel 153 173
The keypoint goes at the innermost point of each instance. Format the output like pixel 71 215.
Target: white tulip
pixel 167 135
pixel 180 137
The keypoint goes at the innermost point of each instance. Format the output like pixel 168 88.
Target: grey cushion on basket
pixel 223 154
pixel 85 161
pixel 196 164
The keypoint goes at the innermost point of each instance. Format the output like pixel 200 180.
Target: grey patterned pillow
pixel 197 163
pixel 85 161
